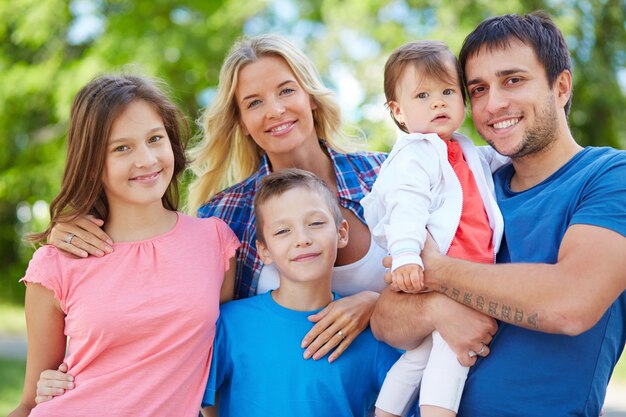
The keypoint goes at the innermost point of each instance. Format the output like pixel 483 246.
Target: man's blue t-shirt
pixel 259 369
pixel 530 373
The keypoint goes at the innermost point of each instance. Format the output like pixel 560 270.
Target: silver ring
pixel 482 349
pixel 69 238
pixel 340 333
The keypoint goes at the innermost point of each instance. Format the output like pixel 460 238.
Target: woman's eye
pixel 155 138
pixel 287 90
pixel 253 103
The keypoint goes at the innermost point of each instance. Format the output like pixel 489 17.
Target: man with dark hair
pixel 558 290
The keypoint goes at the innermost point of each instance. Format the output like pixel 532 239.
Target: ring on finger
pixel 482 349
pixel 340 333
pixel 69 237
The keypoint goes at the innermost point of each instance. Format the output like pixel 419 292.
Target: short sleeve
pixel 219 366
pixel 603 202
pixel 228 240
pixel 45 269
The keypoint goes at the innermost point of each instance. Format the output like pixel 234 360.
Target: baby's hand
pixel 408 278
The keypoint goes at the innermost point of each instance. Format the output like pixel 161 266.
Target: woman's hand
pixel 82 237
pixel 338 325
pixel 53 383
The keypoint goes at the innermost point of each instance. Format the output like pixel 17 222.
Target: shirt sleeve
pixel 398 208
pixel 228 240
pixel 45 269
pixel 603 203
pixel 219 366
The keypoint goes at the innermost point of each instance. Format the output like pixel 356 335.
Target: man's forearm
pixel 402 320
pixel 566 297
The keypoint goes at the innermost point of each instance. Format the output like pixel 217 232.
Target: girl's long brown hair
pixel 95 108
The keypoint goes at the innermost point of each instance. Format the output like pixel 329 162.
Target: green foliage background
pixel 50 48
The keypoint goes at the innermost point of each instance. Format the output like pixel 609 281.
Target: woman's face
pixel 275 110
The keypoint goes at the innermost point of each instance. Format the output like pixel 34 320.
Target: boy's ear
pixel 396 112
pixel 342 234
pixel 264 254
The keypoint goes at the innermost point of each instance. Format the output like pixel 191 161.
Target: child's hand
pixel 408 278
pixel 53 383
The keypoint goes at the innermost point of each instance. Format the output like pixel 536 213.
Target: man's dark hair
pixel 536 30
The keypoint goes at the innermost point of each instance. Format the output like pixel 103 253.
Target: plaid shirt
pixel 355 172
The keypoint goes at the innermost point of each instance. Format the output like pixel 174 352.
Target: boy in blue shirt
pixel 258 366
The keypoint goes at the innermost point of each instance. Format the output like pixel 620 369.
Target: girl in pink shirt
pixel 135 328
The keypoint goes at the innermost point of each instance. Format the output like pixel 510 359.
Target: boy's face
pixel 301 236
pixel 429 104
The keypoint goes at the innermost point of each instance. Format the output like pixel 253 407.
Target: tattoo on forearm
pixel 506 313
pixel 493 308
pixel 480 302
pixel 510 314
pixel 467 298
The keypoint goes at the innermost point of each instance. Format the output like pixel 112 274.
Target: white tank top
pixel 366 274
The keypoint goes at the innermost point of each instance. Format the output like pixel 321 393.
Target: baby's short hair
pixel 284 180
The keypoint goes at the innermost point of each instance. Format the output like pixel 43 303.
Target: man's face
pixel 513 107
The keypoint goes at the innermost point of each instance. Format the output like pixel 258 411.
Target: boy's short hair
pixel 427 56
pixel 536 30
pixel 284 180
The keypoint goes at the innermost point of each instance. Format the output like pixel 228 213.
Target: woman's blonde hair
pixel 225 155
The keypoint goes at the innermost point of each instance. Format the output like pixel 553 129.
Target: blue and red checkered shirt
pixel 355 172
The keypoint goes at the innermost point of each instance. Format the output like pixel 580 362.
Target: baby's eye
pixel 448 91
pixel 318 223
pixel 422 95
pixel 280 232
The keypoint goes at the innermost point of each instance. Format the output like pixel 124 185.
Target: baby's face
pixel 428 104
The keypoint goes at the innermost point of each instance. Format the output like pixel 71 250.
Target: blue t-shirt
pixel 259 370
pixel 529 373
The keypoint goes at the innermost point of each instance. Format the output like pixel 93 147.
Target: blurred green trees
pixel 50 48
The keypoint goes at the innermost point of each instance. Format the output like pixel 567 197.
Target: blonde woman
pixel 271 112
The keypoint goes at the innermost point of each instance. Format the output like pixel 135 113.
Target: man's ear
pixel 342 235
pixel 264 254
pixel 563 87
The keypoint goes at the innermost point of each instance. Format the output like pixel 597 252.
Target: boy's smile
pixel 301 237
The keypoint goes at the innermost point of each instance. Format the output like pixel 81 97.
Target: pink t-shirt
pixel 140 321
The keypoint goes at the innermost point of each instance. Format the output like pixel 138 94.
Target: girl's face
pixel 139 160
pixel 428 104
pixel 275 110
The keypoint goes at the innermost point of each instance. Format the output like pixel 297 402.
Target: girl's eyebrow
pixel 154 129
